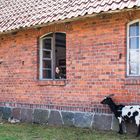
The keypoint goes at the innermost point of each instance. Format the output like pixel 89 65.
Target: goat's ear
pixel 110 95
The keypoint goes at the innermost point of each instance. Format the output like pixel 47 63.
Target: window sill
pixel 135 80
pixel 51 82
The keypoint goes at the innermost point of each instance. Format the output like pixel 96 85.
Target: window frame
pixel 41 57
pixel 52 55
pixel 128 47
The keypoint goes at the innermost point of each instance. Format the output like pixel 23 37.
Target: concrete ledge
pixel 55 118
pixel 102 121
pixel 40 116
pixel 6 113
pixel 16 113
pixel 26 115
pixel 83 120
pixel 68 118
pixel 65 118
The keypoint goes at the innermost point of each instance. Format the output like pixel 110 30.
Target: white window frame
pixel 41 58
pixel 128 47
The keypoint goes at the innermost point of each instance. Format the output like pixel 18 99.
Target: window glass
pixel 134 29
pixel 47 74
pixel 47 43
pixel 134 62
pixel 46 54
pixel 47 64
pixel 134 43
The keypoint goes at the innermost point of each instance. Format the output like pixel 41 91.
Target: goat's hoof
pixel 120 132
pixel 137 135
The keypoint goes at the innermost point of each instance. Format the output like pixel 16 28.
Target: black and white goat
pixel 124 113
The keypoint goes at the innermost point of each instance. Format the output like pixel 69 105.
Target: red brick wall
pixel 94 68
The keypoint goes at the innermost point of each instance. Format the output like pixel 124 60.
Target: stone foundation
pixel 64 118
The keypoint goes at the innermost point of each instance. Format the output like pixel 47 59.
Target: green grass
pixel 36 132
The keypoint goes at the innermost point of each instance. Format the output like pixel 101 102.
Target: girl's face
pixel 57 70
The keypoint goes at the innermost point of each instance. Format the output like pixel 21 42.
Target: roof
pixel 15 14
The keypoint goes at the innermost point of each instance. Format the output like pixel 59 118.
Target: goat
pixel 124 113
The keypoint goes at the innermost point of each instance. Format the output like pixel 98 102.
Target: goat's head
pixel 107 100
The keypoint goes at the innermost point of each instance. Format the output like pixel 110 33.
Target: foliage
pixel 37 132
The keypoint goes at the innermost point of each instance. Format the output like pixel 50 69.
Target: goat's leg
pixel 138 124
pixel 138 132
pixel 120 126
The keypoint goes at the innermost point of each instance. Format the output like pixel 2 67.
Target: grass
pixel 36 132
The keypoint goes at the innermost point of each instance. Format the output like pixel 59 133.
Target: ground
pixel 37 132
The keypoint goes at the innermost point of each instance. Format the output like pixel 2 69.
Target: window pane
pixel 47 64
pixel 134 43
pixel 134 29
pixel 47 43
pixel 47 74
pixel 60 56
pixel 46 54
pixel 134 62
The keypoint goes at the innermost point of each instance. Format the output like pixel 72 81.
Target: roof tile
pixel 15 14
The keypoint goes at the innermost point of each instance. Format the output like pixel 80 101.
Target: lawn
pixel 37 132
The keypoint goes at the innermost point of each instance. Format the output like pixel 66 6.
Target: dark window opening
pixel 60 55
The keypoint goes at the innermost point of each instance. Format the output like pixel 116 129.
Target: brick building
pixel 58 59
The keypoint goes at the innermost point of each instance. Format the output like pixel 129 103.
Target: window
pixel 53 56
pixel 133 49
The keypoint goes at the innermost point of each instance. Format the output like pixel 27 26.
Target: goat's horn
pixel 110 95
